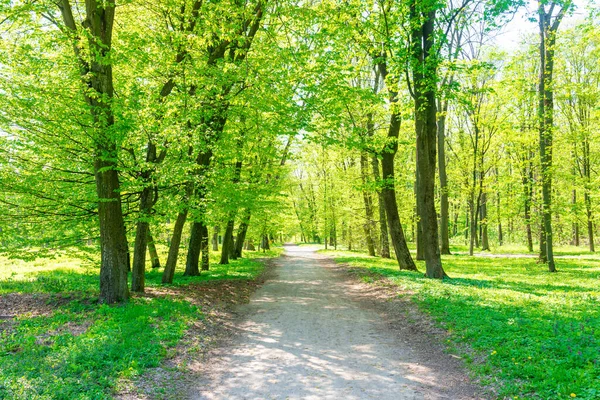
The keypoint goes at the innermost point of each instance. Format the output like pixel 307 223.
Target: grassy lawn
pixel 529 333
pixel 80 349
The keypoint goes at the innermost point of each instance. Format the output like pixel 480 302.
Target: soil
pixel 316 332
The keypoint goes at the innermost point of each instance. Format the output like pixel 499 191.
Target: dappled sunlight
pixel 510 309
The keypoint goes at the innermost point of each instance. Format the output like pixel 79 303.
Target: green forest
pixel 155 157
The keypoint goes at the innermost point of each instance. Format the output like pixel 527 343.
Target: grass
pixel 82 350
pixel 526 332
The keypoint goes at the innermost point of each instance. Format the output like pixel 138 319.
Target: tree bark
pixel 193 256
pixel 97 80
pixel 485 244
pixel 155 260
pixel 204 248
pixel 242 230
pixel 368 202
pixel 403 257
pixel 383 230
pixel 424 67
pixel 169 270
pixel 548 29
pixel 227 245
pixel 138 271
pixel 444 206
pixel 215 238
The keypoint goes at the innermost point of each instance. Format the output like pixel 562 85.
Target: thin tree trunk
pixel 418 229
pixel 590 220
pixel 242 230
pixel 193 256
pixel 204 247
pixel 227 243
pixel 368 202
pixel 485 245
pixel 383 229
pixel 138 271
pixel 444 206
pixel 397 237
pixel 548 31
pixel 154 259
pixel 215 239
pixel 169 270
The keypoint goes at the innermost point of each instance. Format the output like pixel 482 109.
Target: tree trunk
pixel 227 243
pixel 265 242
pixel 138 272
pixel 485 245
pixel 548 31
pixel 97 80
pixel 590 220
pixel 403 256
pixel 215 239
pixel 527 179
pixel 444 206
pixel 424 72
pixel 420 256
pixel 388 190
pixel 154 259
pixel 383 230
pixel 204 247
pixel 193 255
pixel 368 202
pixel 242 230
pixel 169 270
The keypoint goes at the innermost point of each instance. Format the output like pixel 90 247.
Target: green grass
pixel 83 350
pixel 529 333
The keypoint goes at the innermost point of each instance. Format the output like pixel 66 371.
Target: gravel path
pixel 305 336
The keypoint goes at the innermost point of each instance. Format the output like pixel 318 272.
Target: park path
pixel 305 336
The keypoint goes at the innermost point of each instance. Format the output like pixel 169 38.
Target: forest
pixel 151 148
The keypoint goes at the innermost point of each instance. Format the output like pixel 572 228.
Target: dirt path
pixel 306 334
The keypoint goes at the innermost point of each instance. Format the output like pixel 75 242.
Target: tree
pixel 548 27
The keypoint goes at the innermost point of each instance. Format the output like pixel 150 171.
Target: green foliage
pixel 525 332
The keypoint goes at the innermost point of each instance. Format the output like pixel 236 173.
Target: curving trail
pixel 305 335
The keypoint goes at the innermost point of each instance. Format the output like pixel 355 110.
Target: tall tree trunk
pixel 424 68
pixel 420 256
pixel 498 207
pixel 169 270
pixel 227 245
pixel 193 255
pixel 403 256
pixel 527 179
pixel 138 272
pixel 485 245
pixel 204 247
pixel 242 230
pixel 548 29
pixel 368 202
pixel 97 80
pixel 154 259
pixel 215 238
pixel 383 230
pixel 388 190
pixel 590 221
pixel 575 241
pixel 444 206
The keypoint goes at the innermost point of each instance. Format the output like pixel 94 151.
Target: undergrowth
pixel 82 350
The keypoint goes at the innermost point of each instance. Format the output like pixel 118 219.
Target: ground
pixel 313 331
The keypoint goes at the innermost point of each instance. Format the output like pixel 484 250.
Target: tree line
pixel 119 121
